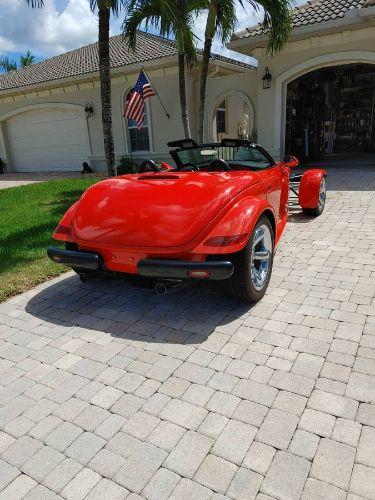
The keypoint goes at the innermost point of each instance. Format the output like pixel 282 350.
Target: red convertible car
pixel 218 214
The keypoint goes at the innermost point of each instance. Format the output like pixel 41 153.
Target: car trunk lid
pixel 155 210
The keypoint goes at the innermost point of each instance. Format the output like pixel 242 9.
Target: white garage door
pixel 47 139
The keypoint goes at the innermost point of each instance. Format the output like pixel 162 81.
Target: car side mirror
pixel 291 161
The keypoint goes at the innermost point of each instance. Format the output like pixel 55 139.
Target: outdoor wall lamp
pixel 267 78
pixel 89 110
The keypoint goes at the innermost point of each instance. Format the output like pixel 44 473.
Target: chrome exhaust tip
pixel 83 277
pixel 164 287
pixel 160 289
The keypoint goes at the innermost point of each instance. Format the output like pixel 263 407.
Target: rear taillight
pixel 224 241
pixel 198 274
pixel 62 233
pixel 60 229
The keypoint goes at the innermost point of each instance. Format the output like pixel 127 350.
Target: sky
pixel 68 24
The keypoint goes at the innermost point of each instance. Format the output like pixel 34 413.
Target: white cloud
pixel 46 32
pixel 67 24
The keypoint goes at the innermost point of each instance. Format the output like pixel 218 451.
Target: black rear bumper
pixel 152 268
pixel 72 258
pixel 178 269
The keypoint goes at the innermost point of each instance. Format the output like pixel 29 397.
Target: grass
pixel 28 216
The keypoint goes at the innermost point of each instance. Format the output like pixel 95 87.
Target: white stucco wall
pixel 161 128
pixel 237 89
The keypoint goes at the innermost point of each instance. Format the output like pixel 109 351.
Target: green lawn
pixel 28 215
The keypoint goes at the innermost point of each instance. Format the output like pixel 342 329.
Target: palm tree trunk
pixel 203 87
pixel 182 89
pixel 105 89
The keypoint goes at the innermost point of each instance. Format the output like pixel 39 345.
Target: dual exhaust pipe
pixel 167 286
pixel 161 287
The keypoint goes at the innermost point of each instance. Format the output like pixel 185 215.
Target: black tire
pixel 315 212
pixel 240 284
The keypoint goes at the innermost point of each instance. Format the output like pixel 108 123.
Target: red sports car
pixel 218 214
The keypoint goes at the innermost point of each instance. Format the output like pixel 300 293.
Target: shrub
pixel 127 166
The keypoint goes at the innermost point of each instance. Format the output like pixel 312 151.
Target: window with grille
pixel 221 126
pixel 139 139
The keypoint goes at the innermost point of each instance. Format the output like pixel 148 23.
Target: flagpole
pixel 156 92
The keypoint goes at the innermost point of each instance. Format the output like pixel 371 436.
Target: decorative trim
pixel 31 107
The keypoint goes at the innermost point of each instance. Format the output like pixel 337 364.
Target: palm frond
pixel 115 6
pixel 7 64
pixel 146 15
pixel 35 3
pixel 277 20
pixel 27 59
pixel 226 18
pixel 170 17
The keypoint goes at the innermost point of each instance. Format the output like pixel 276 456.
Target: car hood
pixel 155 210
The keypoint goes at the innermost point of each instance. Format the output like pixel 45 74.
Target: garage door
pixel 47 139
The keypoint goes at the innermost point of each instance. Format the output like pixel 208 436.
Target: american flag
pixel 135 104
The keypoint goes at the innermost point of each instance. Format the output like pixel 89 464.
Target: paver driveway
pixel 110 391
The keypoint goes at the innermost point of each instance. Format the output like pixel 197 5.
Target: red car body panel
pixel 155 210
pixel 179 215
pixel 309 187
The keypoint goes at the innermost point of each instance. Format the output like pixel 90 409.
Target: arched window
pixel 221 119
pixel 138 139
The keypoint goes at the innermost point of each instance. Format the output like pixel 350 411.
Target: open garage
pixel 330 112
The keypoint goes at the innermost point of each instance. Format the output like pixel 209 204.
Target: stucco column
pixel 266 125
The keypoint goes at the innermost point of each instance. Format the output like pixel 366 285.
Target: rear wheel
pixel 253 265
pixel 321 201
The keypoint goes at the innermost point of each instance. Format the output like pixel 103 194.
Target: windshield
pixel 237 157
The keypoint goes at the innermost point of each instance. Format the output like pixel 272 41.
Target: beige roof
pixel 313 12
pixel 85 61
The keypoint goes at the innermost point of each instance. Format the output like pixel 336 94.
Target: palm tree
pixel 222 20
pixel 170 17
pixel 7 64
pixel 27 59
pixel 105 8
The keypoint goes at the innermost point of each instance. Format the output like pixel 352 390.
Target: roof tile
pixel 313 12
pixel 85 60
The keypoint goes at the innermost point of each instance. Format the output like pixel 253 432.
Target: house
pixel 50 112
pixel 320 102
pixel 315 99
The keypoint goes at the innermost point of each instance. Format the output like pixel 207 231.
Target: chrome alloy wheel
pixel 322 194
pixel 261 254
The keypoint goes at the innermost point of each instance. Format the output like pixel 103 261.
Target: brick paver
pixel 108 391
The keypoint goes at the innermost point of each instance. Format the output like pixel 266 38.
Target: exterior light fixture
pixel 267 78
pixel 89 110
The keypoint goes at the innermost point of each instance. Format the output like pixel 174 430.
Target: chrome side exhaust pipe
pixel 167 286
pixel 84 277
